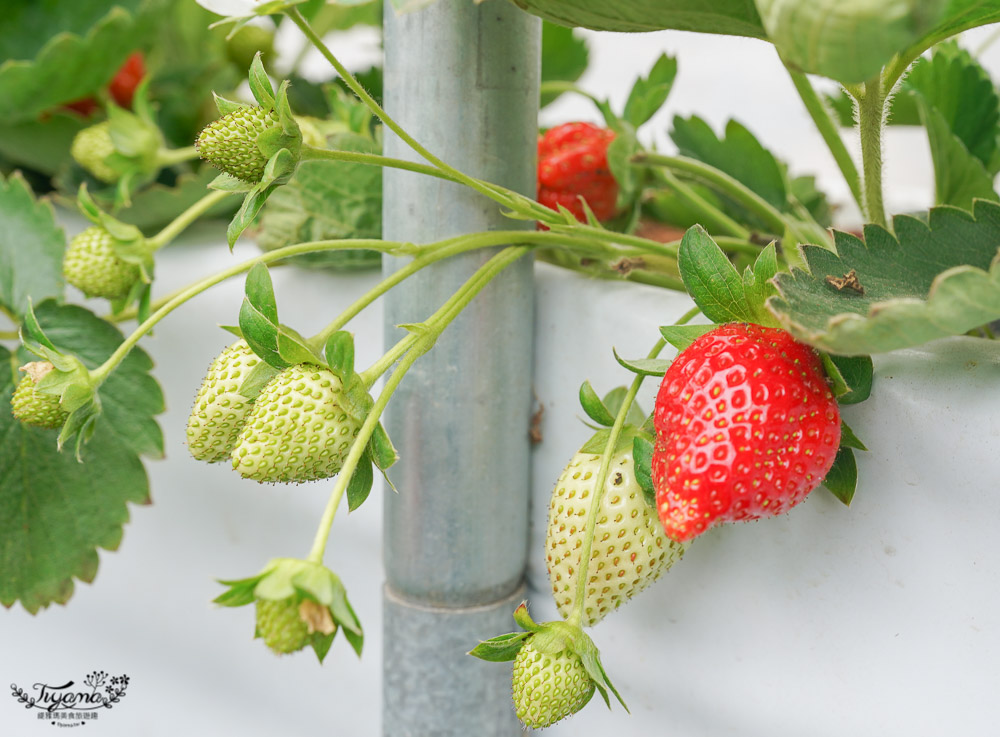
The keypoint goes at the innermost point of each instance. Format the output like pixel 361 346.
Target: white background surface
pixel 880 620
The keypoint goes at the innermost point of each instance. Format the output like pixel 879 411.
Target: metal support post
pixel 463 79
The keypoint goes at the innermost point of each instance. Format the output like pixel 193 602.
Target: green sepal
pixel 598 442
pixel 239 593
pixel 233 330
pixel 848 439
pixel 852 377
pixel 321 645
pixel 260 334
pixel 383 452
pixel 259 290
pixel 32 331
pixel 294 349
pixel 87 206
pixel 524 619
pixel 500 649
pixel 629 177
pixel 644 366
pixel 681 336
pixel 842 478
pixel 339 352
pixel 361 482
pixel 257 379
pixel 227 106
pixel 642 462
pixel 289 126
pixel 260 84
pixel 228 183
pixel 613 401
pixel 244 217
pixel 594 407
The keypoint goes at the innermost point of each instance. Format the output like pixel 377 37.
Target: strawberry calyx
pixel 298 603
pixel 573 650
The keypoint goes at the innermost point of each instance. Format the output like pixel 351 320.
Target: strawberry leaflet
pixel 929 281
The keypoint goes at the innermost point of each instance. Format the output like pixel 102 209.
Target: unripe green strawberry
pixel 91 265
pixel 230 143
pixel 547 688
pixel 90 149
pixel 630 550
pixel 219 409
pixel 30 406
pixel 298 429
pixel 281 626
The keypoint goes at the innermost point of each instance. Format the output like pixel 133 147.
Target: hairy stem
pixel 830 131
pixel 871 119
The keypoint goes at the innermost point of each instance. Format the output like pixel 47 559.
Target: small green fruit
pixel 91 265
pixel 298 429
pixel 230 143
pixel 219 409
pixel 90 149
pixel 547 688
pixel 32 407
pixel 280 625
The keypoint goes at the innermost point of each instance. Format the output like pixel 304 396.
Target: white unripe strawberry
pixel 219 409
pixel 298 429
pixel 31 406
pixel 230 143
pixel 630 550
pixel 91 265
pixel 547 688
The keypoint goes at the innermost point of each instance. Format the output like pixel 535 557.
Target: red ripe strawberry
pixel 573 163
pixel 129 75
pixel 746 427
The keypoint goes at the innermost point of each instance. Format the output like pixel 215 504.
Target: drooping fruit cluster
pixel 31 406
pixel 219 409
pixel 230 143
pixel 746 427
pixel 629 551
pixel 298 429
pixel 547 688
pixel 91 265
pixel 573 163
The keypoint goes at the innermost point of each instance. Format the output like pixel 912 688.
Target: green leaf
pixel 31 247
pixel 56 55
pixel 360 485
pixel 564 57
pixel 54 511
pixel 628 176
pixel 959 177
pixel 738 154
pixel 954 84
pixel 257 379
pixel 711 280
pixel 733 17
pixel 41 144
pixel 644 366
pixel 293 348
pixel 328 200
pixel 681 336
pixel 594 407
pixel 239 593
pixel 842 478
pixel 931 280
pixel 501 648
pixel 642 459
pixel 260 85
pixel 613 401
pixel 383 452
pixel 649 93
pixel 245 216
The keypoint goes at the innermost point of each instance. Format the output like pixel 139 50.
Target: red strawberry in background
pixel 573 163
pixel 121 87
pixel 746 427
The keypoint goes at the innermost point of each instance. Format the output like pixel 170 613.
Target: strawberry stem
pixel 412 347
pixel 171 156
pixel 871 99
pixel 583 575
pixel 185 219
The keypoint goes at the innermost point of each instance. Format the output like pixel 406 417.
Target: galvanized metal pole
pixel 463 79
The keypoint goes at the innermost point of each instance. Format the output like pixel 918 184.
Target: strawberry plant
pixel 748 415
